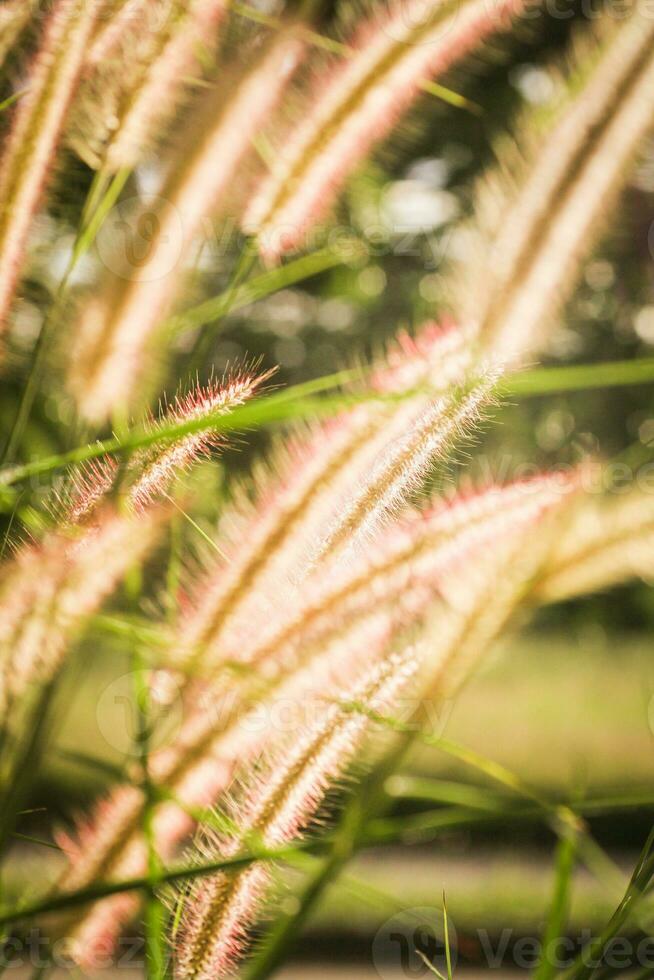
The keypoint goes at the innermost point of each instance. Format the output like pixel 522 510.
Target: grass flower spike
pixel 191 27
pixel 116 333
pixel 402 467
pixel 151 471
pixel 608 539
pixel 136 69
pixel 37 124
pixel 538 235
pixel 188 148
pixel 316 475
pixel 160 466
pixel 219 910
pixel 356 105
pixel 48 592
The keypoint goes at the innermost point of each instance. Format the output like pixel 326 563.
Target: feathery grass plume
pixel 219 910
pixel 127 40
pixel 537 236
pixel 312 478
pixel 222 731
pixel 14 16
pixel 136 70
pixel 50 589
pixel 102 843
pixel 402 468
pixel 400 568
pixel 87 487
pixel 155 99
pixel 151 471
pixel 435 357
pixel 217 735
pixel 119 19
pixel 159 466
pixel 115 333
pixel 37 123
pixel 357 105
pixel 608 539
pixel 484 596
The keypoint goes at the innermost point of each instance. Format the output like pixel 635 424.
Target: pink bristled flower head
pixel 160 466
pixel 49 591
pixel 357 104
pixel 38 120
pixel 150 472
pixel 219 910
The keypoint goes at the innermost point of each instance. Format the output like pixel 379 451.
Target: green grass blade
pixel 372 831
pixel 292 403
pixel 450 97
pixel 446 934
pixel 155 916
pixel 578 377
pixel 76 899
pixel 85 237
pixel 287 927
pixel 445 791
pixel 296 403
pixel 257 288
pixel 11 99
pixel 430 966
pixel 583 968
pixel 558 914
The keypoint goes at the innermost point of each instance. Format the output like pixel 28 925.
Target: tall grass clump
pixel 360 562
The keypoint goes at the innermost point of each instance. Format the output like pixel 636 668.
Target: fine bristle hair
pixel 116 334
pixel 609 538
pixel 218 910
pixel 357 104
pixel 150 472
pixel 50 589
pixel 315 475
pixel 159 466
pixel 541 212
pixel 35 131
pixel 401 469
